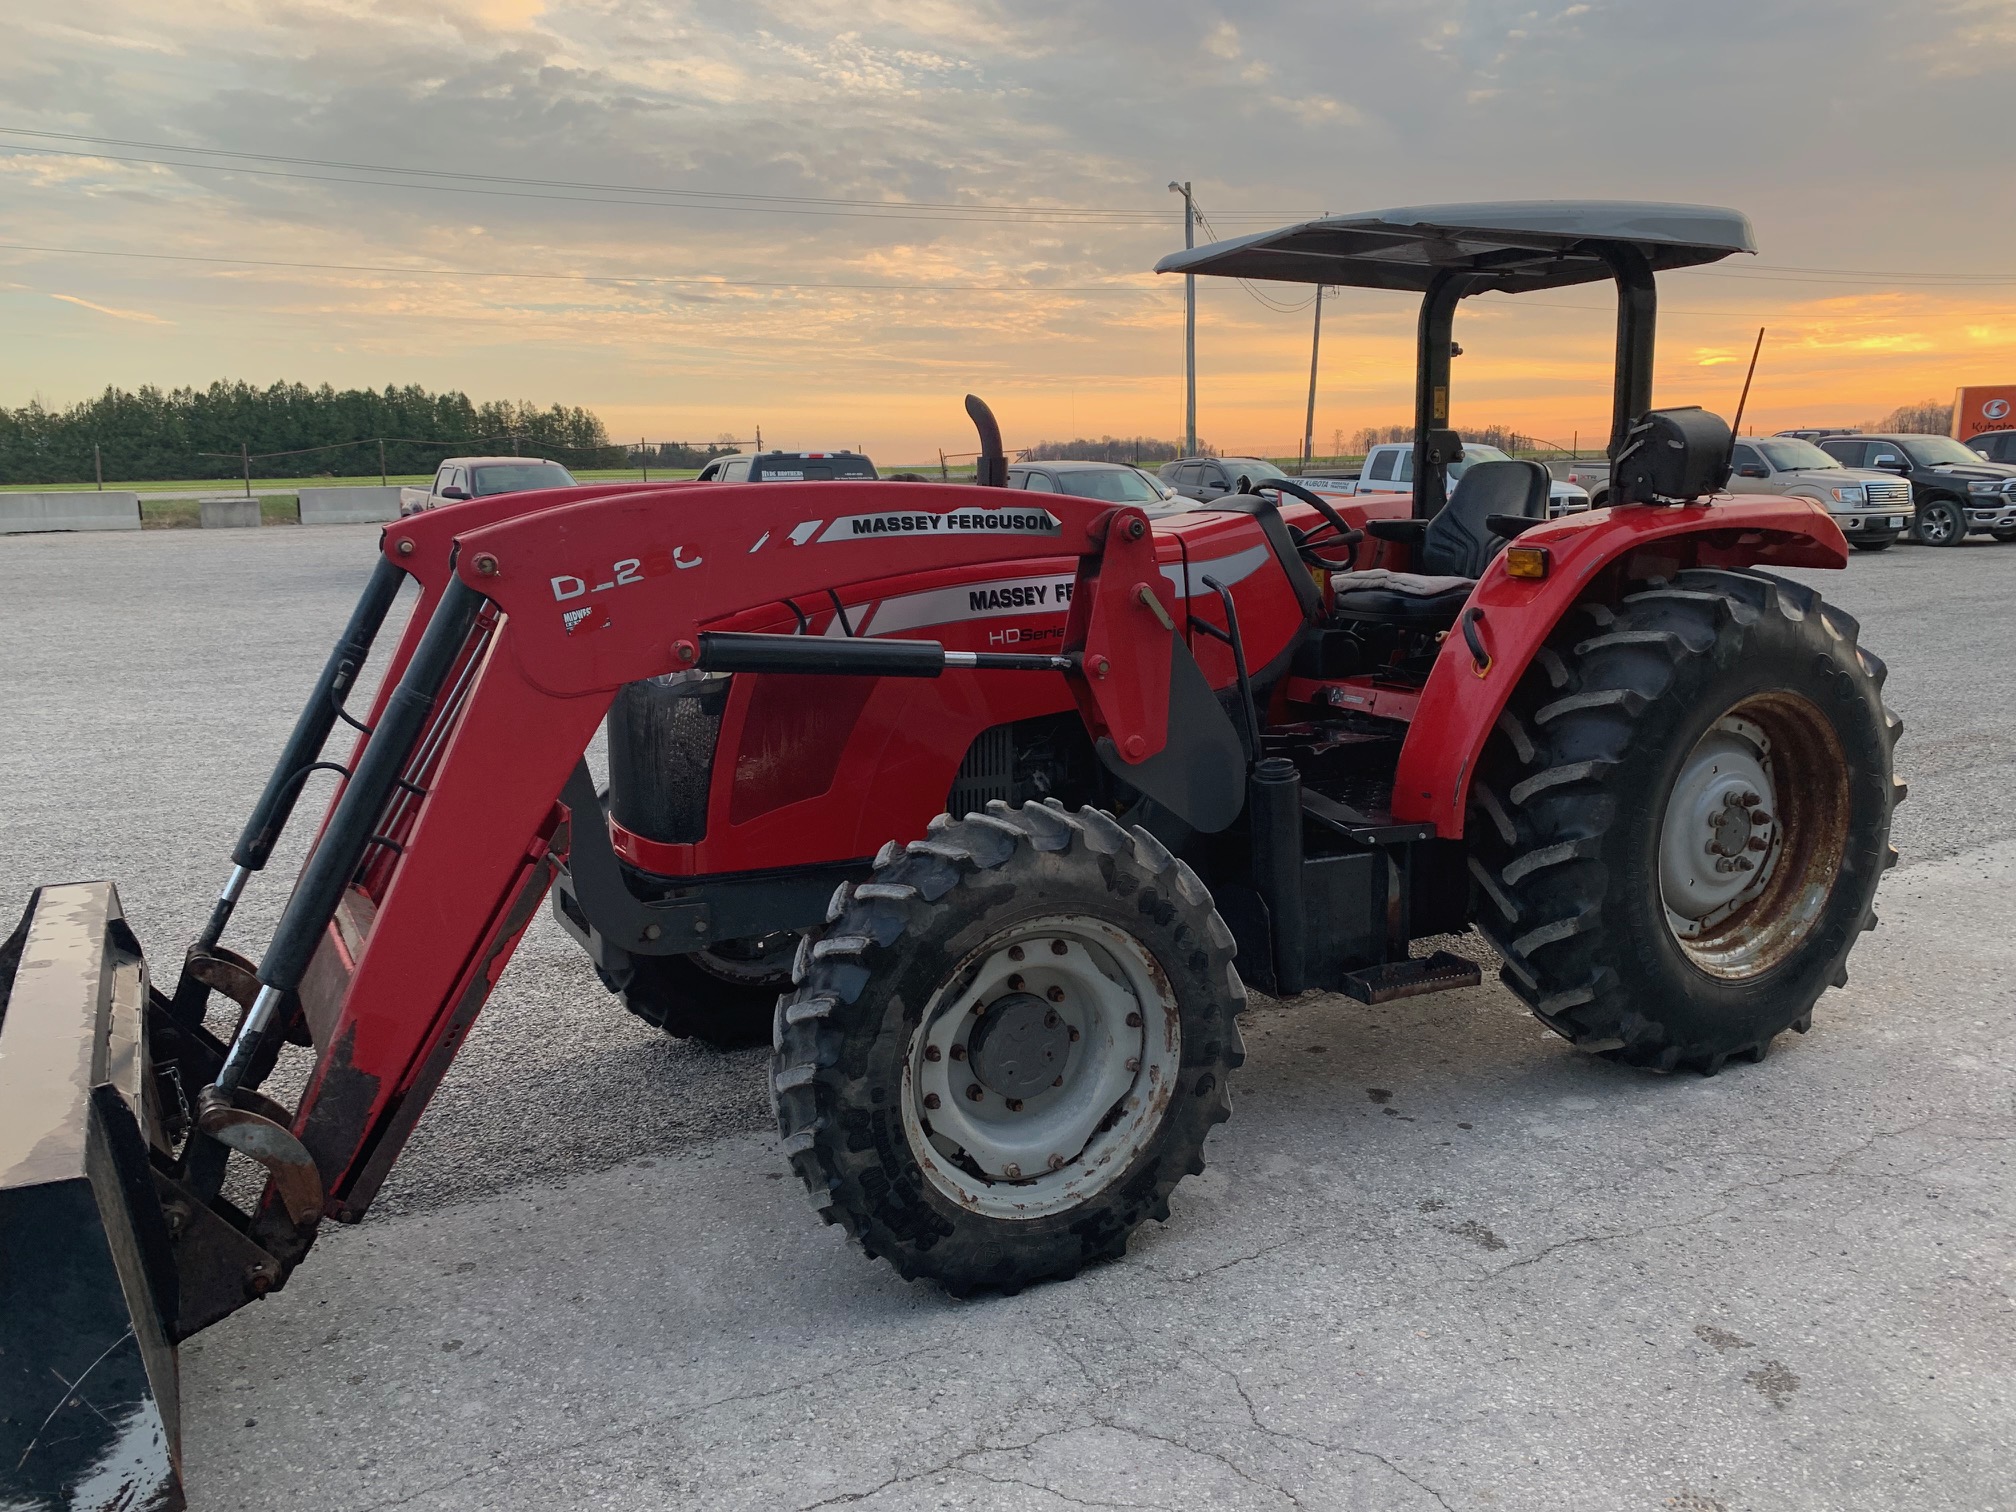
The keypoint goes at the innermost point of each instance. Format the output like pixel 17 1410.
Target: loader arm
pixel 448 831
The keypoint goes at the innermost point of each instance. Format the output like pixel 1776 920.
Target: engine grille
pixel 1890 491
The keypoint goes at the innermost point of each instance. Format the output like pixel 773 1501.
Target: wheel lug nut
pixel 1759 843
pixel 958 1052
pixel 1058 1082
pixel 1750 799
pixel 1014 1105
pixel 973 1092
pixel 1074 1035
pixel 931 1052
pixel 931 1100
pixel 1015 984
pixel 1055 994
pixel 1011 1170
pixel 1058 947
pixel 1133 1021
pixel 1758 816
pixel 1014 952
pixel 1056 1162
pixel 1133 1063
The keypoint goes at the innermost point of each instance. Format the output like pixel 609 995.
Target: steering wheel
pixel 1334 531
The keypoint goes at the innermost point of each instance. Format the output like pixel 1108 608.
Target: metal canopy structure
pixel 1445 253
pixel 1507 247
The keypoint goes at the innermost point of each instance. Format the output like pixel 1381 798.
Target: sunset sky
pixel 833 218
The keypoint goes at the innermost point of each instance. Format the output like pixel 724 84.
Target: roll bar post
pixel 1637 323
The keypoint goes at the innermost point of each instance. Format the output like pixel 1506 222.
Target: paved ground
pixel 1438 1261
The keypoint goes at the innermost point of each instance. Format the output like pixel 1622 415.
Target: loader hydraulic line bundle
pixel 984 809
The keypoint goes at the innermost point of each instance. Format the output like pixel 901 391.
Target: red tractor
pixel 1014 793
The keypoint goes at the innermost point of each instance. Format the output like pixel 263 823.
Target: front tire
pixel 1942 522
pixel 724 997
pixel 1880 543
pixel 1683 816
pixel 1007 1048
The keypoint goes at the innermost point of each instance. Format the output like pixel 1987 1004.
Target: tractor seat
pixel 1407 596
pixel 1451 550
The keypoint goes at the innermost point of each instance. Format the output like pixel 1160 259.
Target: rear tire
pixel 1682 818
pixel 1942 522
pixel 913 1067
pixel 724 997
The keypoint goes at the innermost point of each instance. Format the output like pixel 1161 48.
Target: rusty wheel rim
pixel 1754 832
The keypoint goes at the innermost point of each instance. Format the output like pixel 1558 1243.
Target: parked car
pixel 1956 492
pixel 1389 468
pixel 787 467
pixel 1995 446
pixel 459 478
pixel 1117 482
pixel 1207 478
pixel 1872 508
pixel 1820 432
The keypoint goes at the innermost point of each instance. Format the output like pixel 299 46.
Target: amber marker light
pixel 1526 561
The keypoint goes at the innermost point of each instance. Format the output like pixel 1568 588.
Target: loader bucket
pixel 88 1407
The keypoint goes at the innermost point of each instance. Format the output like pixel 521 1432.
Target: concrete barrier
pixel 232 512
pixel 348 506
pixel 95 510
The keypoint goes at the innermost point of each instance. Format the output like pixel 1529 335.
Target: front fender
pixel 1461 702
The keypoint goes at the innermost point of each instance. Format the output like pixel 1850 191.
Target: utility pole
pixel 245 456
pixel 643 460
pixel 1189 322
pixel 98 466
pixel 1309 421
pixel 381 463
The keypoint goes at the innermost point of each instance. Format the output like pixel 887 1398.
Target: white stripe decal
pixel 1227 570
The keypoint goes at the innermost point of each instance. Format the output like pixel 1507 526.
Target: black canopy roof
pixel 1509 246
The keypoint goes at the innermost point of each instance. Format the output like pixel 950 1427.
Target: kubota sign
pixel 1979 410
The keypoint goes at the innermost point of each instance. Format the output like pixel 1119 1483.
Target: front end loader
pixel 1011 795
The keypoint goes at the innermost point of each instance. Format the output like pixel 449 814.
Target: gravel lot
pixel 1439 1260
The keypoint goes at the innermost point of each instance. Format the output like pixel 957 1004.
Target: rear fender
pixel 1512 618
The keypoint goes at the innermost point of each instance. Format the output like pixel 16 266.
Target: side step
pixel 1440 972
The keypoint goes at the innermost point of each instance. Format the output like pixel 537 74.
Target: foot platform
pixel 1440 972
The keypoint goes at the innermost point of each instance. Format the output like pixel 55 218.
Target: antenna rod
pixel 1737 428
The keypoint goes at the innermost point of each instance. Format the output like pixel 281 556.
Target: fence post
pixel 943 475
pixel 245 456
pixel 98 466
pixel 643 462
pixel 382 482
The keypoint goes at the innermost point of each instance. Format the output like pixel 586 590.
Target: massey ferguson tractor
pixel 1010 796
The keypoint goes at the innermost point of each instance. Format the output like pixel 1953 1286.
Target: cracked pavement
pixel 1437 1261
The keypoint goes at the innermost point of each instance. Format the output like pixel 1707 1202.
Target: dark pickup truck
pixel 1955 492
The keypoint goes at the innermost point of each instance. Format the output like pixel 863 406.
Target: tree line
pixel 293 430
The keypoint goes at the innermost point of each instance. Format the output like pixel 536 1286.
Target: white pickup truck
pixel 1389 468
pixel 459 478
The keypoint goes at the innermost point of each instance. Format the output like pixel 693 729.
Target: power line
pixel 598 278
pixel 1520 301
pixel 591 192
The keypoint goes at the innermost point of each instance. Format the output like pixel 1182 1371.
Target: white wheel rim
pixel 1755 835
pixel 1022 1117
pixel 1720 838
